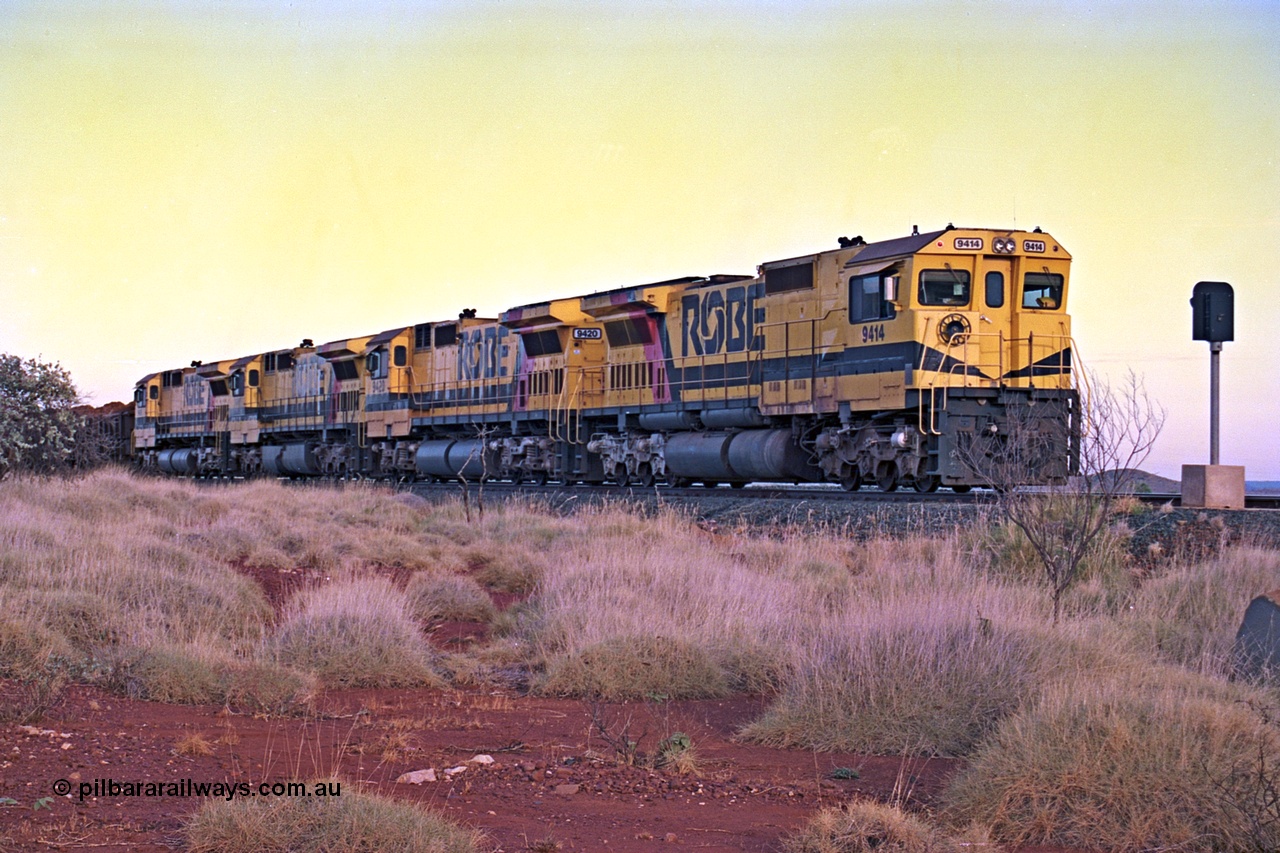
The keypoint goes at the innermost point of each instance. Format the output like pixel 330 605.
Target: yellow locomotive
pixel 867 363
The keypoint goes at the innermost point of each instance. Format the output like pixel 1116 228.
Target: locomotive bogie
pixel 638 458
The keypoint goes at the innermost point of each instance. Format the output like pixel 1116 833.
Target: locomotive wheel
pixel 644 475
pixel 711 484
pixel 539 478
pixel 518 477
pixel 738 484
pixel 679 482
pixel 927 484
pixel 852 481
pixel 620 476
pixel 962 490
pixel 887 477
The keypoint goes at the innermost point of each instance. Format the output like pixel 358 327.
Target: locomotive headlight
pixel 1004 246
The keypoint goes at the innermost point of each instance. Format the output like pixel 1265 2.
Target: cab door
pixel 588 353
pixel 995 317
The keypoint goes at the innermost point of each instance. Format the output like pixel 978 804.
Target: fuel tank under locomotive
pixel 290 460
pixel 762 454
pixel 448 459
pixel 183 461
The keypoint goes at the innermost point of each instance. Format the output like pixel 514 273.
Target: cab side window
pixel 867 299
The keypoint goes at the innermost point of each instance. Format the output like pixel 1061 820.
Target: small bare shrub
pixel 1102 583
pixel 350 823
pixel 355 633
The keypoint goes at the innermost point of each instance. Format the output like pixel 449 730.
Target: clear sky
pixel 186 180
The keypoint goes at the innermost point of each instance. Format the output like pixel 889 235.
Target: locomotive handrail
pixel 789 353
pixel 959 367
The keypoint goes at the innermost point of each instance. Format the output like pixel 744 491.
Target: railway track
pixel 765 491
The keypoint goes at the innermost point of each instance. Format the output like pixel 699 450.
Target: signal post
pixel 1213 320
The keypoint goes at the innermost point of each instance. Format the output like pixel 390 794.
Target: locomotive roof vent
pixel 847 243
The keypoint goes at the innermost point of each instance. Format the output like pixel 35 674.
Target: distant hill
pixel 1155 484
pixel 1144 482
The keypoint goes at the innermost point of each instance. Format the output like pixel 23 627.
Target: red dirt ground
pixel 555 784
pixel 744 797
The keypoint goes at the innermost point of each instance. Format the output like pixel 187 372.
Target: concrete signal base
pixel 1213 486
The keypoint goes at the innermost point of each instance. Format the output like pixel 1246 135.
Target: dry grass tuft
pixel 637 667
pixel 262 687
pixel 350 823
pixel 197 674
pixel 189 675
pixel 1130 764
pixel 193 745
pixel 355 633
pixel 28 650
pixel 863 826
pixel 1190 614
pixel 444 597
pixel 920 680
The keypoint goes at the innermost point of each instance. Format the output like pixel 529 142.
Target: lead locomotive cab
pixel 949 334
